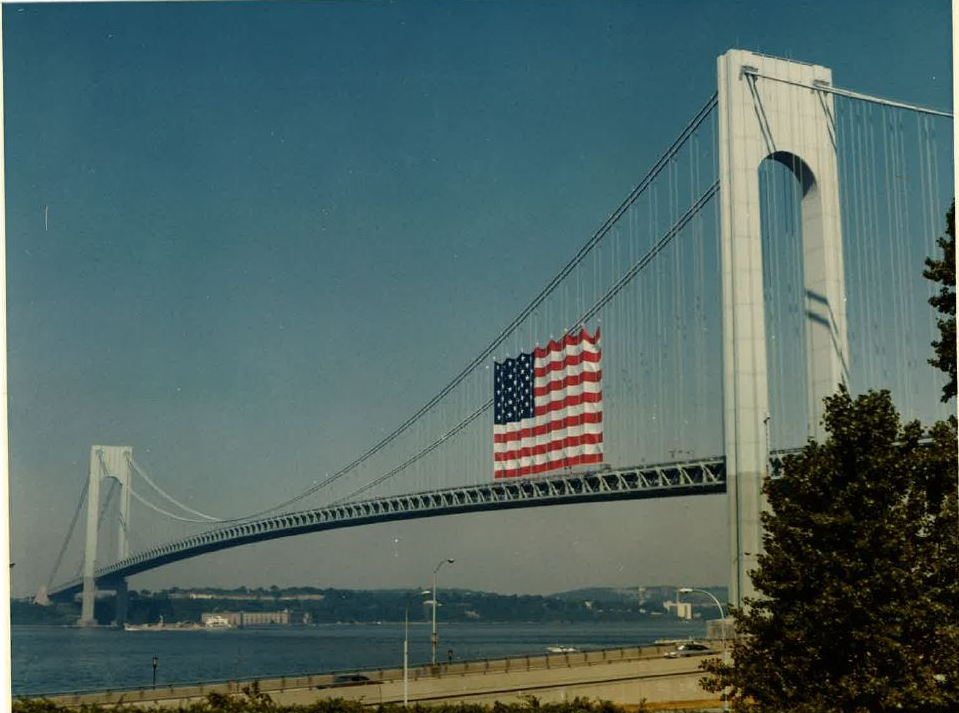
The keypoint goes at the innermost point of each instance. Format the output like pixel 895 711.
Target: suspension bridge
pixel 774 251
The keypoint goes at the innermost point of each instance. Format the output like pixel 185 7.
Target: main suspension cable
pixel 639 190
pixel 142 471
pixel 664 240
pixel 66 541
pixel 170 515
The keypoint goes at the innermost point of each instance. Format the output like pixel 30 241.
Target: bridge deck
pixel 654 481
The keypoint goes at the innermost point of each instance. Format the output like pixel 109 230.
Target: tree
pixel 943 271
pixel 858 581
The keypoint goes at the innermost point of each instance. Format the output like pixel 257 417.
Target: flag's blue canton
pixel 513 390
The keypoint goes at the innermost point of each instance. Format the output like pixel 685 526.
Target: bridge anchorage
pixel 768 114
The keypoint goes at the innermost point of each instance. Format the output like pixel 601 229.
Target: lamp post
pixel 435 605
pixel 766 429
pixel 722 618
pixel 155 662
pixel 406 649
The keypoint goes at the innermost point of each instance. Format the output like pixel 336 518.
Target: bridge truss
pixel 703 476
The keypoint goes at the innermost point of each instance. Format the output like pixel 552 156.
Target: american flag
pixel 548 408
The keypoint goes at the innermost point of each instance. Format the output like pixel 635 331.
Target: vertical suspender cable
pixel 890 172
pixel 870 244
pixel 899 265
pixel 907 365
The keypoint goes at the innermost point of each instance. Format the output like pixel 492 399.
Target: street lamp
pixel 722 618
pixel 155 662
pixel 766 428
pixel 406 648
pixel 435 605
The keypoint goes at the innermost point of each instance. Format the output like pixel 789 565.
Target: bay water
pixel 48 660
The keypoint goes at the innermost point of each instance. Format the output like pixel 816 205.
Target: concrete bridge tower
pixel 105 462
pixel 770 108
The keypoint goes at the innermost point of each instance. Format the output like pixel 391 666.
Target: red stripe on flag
pixel 543 449
pixel 551 465
pixel 555 425
pixel 570 340
pixel 593 377
pixel 569 360
pixel 569 402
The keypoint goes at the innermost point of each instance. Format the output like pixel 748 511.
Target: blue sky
pixel 248 238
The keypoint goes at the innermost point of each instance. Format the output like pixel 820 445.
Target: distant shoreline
pixel 306 606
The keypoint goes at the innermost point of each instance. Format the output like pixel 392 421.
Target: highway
pixel 626 676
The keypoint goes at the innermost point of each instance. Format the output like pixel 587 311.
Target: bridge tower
pixel 105 462
pixel 769 109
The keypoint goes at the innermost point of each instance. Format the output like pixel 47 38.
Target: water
pixel 49 660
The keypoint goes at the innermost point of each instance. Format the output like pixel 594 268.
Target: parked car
pixel 348 679
pixel 345 678
pixel 690 649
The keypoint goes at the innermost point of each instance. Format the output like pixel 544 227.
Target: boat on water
pixel 215 621
pixel 562 650
pixel 161 626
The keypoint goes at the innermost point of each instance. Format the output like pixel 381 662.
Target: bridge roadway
pixel 648 481
pixel 626 676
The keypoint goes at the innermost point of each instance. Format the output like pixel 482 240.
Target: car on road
pixel 690 648
pixel 348 679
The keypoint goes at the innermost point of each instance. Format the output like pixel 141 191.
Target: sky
pixel 248 239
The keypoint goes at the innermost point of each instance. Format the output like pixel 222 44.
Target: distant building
pixel 253 618
pixel 265 618
pixel 683 610
pixel 249 596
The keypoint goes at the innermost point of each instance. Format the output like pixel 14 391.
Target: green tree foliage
pixel 943 271
pixel 56 614
pixel 858 581
pixel 342 605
